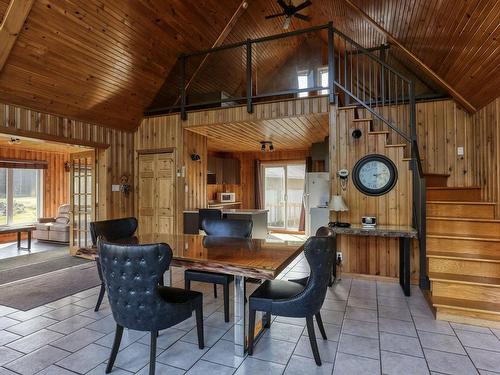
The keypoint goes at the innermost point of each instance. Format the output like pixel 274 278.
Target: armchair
pixel 54 228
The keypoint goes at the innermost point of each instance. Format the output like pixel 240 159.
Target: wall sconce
pixel 195 157
pixel 124 185
pixel 356 134
pixel 67 166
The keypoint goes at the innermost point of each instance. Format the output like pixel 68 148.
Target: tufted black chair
pixel 208 213
pixel 111 230
pixel 131 274
pixel 219 228
pixel 295 300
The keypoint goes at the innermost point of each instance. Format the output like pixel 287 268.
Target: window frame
pixel 303 73
pixel 9 177
pixel 322 70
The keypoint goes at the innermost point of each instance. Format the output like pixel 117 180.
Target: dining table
pixel 262 259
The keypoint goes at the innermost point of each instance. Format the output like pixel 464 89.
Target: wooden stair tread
pixel 376 132
pixel 463 219
pixel 465 279
pixel 464 256
pixel 453 188
pixel 361 119
pixel 437 174
pixel 396 145
pixel 462 304
pixel 458 237
pixel 472 203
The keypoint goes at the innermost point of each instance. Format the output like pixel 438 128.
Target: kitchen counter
pixel 223 204
pixel 257 216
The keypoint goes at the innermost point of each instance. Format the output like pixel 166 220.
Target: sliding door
pixel 283 192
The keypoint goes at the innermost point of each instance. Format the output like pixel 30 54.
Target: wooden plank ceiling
pixel 104 61
pixel 289 133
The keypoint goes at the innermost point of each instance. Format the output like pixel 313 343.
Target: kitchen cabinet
pixel 223 171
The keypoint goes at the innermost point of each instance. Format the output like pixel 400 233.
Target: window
pixel 303 83
pixel 323 79
pixel 20 195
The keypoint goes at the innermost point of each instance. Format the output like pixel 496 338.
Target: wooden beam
pixel 419 63
pixel 11 25
pixel 220 39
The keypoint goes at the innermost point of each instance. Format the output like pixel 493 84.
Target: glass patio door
pixel 82 202
pixel 283 191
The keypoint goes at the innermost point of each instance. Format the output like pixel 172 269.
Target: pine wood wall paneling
pixel 366 255
pixel 487 143
pixel 196 171
pixel 116 149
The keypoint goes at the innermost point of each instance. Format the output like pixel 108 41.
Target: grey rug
pixel 20 269
pixel 39 290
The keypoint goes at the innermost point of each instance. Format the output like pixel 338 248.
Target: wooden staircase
pixel 463 254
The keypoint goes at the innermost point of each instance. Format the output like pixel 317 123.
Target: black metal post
pixel 183 88
pixel 331 64
pixel 249 77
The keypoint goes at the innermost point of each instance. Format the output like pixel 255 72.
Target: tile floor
pixel 372 328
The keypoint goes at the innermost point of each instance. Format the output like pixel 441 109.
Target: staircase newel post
pixel 331 63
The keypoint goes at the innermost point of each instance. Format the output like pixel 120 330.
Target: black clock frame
pixel 375 157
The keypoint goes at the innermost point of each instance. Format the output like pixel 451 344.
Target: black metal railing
pixel 230 75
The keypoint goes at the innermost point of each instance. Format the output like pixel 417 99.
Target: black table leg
pixel 18 240
pixel 404 264
pixel 29 240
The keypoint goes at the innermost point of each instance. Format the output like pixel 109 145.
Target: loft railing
pixel 246 72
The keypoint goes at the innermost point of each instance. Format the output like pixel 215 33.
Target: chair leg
pixel 225 293
pixel 268 320
pixel 312 339
pixel 187 284
pixel 152 353
pixel 319 321
pixel 251 330
pixel 199 326
pixel 116 347
pixel 215 290
pixel 100 297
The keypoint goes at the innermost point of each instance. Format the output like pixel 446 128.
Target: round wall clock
pixel 374 174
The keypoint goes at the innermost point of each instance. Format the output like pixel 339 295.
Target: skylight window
pixel 323 79
pixel 303 83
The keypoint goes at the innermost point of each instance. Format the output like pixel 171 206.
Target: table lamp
pixel 337 204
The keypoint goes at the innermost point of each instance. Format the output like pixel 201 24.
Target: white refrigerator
pixel 316 199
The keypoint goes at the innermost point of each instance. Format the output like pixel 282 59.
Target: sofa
pixel 54 229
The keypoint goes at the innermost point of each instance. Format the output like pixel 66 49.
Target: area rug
pixel 36 291
pixel 24 267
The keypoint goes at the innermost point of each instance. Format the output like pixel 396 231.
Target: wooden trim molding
pixel 11 25
pixel 431 73
pixel 23 164
pixel 156 151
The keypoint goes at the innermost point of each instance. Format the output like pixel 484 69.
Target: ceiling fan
pixel 289 11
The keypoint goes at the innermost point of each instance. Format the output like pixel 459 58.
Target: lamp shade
pixel 337 204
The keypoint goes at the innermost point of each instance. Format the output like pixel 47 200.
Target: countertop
pixel 234 211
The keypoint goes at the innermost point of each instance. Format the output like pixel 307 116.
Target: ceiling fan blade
pixel 305 4
pixel 286 24
pixel 302 17
pixel 283 4
pixel 274 15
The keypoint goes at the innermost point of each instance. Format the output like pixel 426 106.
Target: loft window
pixel 323 79
pixel 303 83
pixel 20 195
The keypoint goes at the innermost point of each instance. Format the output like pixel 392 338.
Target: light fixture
pixel 14 141
pixel 337 204
pixel 195 157
pixel 356 134
pixel 266 145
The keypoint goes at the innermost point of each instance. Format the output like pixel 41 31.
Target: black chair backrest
pixel 320 254
pixel 131 274
pixel 325 232
pixel 228 228
pixel 114 229
pixel 208 213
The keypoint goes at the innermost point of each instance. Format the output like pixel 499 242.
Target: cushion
pixel 273 290
pixel 62 220
pixel 42 226
pixel 57 227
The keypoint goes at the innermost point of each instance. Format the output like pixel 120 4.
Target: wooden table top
pixel 257 258
pixel 378 231
pixel 16 228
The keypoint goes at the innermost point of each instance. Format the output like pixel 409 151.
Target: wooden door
pixel 83 203
pixel 165 193
pixel 156 193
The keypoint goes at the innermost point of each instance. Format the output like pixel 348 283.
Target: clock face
pixel 374 175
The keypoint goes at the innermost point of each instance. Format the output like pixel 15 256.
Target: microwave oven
pixel 226 197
